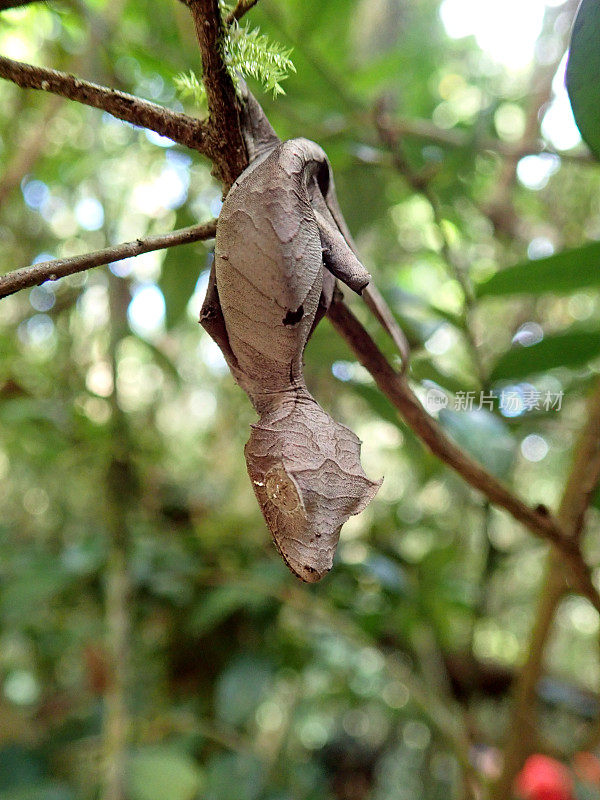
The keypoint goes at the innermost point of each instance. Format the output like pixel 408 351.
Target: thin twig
pixel 242 7
pixel 538 520
pixel 181 128
pixel 37 274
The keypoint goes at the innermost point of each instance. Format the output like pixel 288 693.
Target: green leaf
pixel 252 54
pixel 219 604
pixel 423 368
pixel 570 349
pixel 180 272
pixel 562 272
pixel 189 85
pixel 161 773
pixel 583 73
pixel 39 791
pixel 485 436
pixel 234 776
pixel 18 766
pixel 240 689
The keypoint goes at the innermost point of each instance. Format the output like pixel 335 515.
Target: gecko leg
pixel 370 293
pixel 213 322
pixel 325 299
pixel 339 256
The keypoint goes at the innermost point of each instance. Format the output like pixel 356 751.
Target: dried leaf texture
pixel 269 268
pixel 306 473
pixel 274 234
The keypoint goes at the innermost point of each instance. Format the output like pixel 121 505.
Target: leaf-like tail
pixel 306 473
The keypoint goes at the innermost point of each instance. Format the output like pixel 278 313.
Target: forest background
pixel 153 646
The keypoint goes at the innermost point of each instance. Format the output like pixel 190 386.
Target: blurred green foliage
pixel 583 67
pixel 244 684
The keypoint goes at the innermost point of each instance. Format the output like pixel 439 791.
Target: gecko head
pixel 308 490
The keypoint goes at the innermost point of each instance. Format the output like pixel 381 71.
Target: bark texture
pixel 181 128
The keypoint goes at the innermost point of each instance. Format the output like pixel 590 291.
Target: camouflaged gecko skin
pixel 278 245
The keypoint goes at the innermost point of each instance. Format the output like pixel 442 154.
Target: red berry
pixel 544 778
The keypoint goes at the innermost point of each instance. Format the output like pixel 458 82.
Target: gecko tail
pixel 307 476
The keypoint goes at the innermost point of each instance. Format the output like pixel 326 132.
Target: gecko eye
pixel 323 179
pixel 293 317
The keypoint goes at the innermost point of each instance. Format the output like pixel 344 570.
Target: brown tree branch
pixel 37 274
pixel 181 128
pixel 242 7
pixel 538 520
pixel 585 472
pixel 230 157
